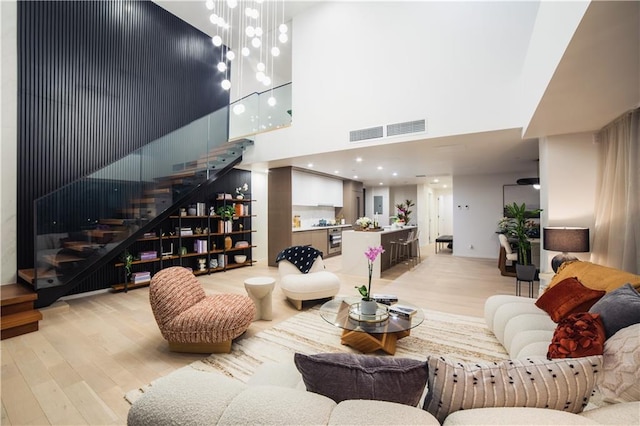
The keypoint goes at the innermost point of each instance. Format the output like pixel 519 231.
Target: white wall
pixel 259 208
pixel 568 176
pixel 384 192
pixel 555 24
pixel 8 142
pixel 400 194
pixel 477 208
pixel 443 72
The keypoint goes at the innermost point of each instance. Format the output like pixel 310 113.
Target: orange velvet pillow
pixel 576 336
pixel 567 297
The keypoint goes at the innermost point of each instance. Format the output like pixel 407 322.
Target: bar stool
pixel 401 249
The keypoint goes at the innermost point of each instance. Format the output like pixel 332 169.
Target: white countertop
pixel 320 228
pixel 386 230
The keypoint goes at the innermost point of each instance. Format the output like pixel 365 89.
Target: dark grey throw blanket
pixel 301 256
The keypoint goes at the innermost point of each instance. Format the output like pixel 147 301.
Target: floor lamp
pixel 565 240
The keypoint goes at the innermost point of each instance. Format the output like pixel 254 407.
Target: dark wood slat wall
pixel 97 80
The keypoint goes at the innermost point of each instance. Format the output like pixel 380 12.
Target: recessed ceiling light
pixel 379 167
pixel 436 180
pixel 359 159
pixel 336 171
pixel 444 186
pixel 310 165
pixel 395 173
pixel 380 183
pixel 355 176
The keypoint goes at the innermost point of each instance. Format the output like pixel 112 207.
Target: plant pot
pixel 368 307
pixel 525 272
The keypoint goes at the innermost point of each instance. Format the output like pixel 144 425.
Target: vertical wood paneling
pixel 97 80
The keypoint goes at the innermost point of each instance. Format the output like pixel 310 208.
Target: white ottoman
pixel 259 290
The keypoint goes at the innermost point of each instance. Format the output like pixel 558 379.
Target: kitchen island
pixel 355 243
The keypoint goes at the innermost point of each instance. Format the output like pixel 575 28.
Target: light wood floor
pixel 91 350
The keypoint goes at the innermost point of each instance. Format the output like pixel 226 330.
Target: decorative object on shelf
pixel 565 240
pixel 368 305
pixel 242 244
pixel 221 259
pixel 200 209
pixel 364 223
pixel 227 242
pixel 191 211
pixel 127 259
pixel 403 216
pixel 238 209
pixel 183 211
pixel 226 212
pixel 202 264
pixel 213 263
pixel 183 250
pixel 212 211
pixel 197 231
pixel 240 258
pixel 240 191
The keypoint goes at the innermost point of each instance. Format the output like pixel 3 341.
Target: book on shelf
pixel 200 246
pixel 140 277
pixel 184 231
pixel 402 311
pixel 149 235
pixel 148 255
pixel 386 299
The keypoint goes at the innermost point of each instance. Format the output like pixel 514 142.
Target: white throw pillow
pixel 620 381
pixel 560 384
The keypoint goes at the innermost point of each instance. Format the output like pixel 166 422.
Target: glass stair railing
pixel 87 223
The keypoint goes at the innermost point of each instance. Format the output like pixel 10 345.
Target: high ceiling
pixel 587 91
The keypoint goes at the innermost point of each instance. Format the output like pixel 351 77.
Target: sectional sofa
pixel 364 389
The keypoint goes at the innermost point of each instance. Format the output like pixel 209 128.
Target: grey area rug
pixel 455 336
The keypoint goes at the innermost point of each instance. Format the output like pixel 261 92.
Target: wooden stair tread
pixel 29 274
pixel 15 293
pixel 20 318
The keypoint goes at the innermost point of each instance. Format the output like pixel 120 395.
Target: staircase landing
pixel 18 315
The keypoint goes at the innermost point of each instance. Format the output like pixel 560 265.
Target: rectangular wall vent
pixel 406 127
pixel 364 134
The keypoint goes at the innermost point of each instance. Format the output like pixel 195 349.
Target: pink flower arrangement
pixel 372 254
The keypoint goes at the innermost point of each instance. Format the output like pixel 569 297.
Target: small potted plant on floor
pixel 519 230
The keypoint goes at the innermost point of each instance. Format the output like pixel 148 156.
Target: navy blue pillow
pixel 618 309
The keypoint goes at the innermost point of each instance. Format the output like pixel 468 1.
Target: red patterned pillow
pixel 578 335
pixel 567 297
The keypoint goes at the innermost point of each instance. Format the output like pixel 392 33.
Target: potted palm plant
pixel 519 229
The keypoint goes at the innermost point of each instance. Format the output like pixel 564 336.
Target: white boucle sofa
pixel 275 395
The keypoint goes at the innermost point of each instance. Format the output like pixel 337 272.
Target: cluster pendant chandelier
pixel 243 27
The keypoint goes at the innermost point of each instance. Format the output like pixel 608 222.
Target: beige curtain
pixel 616 242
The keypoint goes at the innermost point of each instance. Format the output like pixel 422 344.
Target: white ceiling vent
pixel 416 126
pixel 364 134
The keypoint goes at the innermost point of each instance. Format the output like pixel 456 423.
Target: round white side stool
pixel 259 290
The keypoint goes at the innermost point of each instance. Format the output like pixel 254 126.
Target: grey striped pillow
pixel 560 384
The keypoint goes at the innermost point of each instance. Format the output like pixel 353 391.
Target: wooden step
pixel 28 275
pixel 18 315
pixel 158 191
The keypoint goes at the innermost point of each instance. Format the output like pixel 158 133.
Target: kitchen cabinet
pixel 315 238
pixel 313 190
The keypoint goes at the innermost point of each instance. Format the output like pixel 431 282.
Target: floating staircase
pixel 18 313
pixel 87 223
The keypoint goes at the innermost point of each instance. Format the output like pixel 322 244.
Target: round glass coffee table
pixel 369 333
